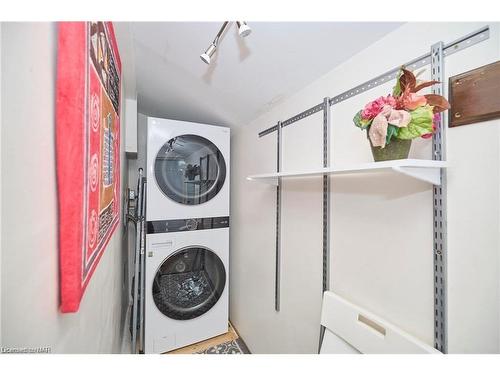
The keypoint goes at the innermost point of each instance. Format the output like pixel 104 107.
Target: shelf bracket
pixel 430 175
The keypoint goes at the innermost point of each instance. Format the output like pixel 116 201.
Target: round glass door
pixel 189 283
pixel 190 169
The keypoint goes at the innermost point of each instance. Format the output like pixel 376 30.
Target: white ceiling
pixel 248 75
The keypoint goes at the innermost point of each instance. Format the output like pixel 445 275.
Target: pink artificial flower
pixel 388 115
pixel 413 101
pixel 427 136
pixel 434 127
pixel 373 108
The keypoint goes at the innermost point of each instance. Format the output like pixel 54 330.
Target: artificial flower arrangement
pixel 394 120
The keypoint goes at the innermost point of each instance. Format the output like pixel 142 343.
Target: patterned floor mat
pixel 226 343
pixel 230 347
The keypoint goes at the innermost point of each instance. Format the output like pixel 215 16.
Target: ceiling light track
pixel 243 30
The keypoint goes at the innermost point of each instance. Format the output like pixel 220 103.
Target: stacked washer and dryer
pixel 187 234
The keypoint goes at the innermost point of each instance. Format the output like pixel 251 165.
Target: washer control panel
pixel 184 225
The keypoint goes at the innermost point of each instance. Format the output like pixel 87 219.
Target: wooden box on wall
pixel 475 95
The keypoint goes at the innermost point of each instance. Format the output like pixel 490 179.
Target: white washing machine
pixel 187 170
pixel 187 282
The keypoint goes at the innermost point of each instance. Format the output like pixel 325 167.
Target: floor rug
pixel 231 347
pixel 227 343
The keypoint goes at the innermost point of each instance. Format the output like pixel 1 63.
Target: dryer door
pixel 190 169
pixel 189 283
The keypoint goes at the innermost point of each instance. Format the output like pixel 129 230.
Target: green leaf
pixel 396 91
pixel 420 124
pixel 392 131
pixel 361 122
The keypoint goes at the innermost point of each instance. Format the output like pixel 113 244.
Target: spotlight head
pixel 243 29
pixel 207 56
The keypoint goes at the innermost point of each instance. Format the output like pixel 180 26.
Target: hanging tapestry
pixel 88 151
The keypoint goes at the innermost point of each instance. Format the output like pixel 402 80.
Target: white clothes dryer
pixel 187 170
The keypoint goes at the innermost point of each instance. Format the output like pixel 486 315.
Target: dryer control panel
pixel 183 225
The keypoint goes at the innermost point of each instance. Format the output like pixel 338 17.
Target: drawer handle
pixel 370 323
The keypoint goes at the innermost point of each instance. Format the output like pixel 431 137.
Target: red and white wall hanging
pixel 88 151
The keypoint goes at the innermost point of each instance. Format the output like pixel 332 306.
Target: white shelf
pixel 424 170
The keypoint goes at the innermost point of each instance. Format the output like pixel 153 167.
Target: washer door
pixel 189 283
pixel 190 169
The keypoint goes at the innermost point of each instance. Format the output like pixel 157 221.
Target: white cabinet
pixel 131 127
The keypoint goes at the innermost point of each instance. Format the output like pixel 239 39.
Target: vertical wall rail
pixel 278 219
pixel 142 223
pixel 138 236
pixel 439 209
pixel 326 206
pixel 326 194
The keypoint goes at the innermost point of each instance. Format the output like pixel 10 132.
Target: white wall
pixel 382 226
pixel 30 285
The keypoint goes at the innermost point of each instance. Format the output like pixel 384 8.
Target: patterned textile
pixel 230 347
pixel 88 151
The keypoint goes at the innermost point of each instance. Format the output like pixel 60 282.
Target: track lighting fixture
pixel 208 53
pixel 243 30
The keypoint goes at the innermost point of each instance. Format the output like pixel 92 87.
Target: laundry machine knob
pixel 191 224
